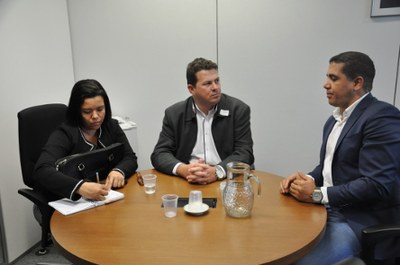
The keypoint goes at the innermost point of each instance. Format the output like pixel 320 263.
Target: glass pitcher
pixel 238 195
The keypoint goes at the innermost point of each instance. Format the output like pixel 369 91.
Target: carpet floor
pixel 52 257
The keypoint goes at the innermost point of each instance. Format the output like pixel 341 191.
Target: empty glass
pixel 170 203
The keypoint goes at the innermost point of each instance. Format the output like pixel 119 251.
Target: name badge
pixel 224 112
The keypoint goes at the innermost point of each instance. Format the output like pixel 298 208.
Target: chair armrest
pixel 34 196
pixel 376 232
pixel 372 235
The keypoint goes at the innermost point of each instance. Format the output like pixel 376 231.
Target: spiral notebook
pixel 66 206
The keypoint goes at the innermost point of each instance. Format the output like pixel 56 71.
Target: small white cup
pixel 195 200
pixel 149 182
pixel 170 203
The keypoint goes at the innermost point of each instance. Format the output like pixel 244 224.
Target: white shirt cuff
pixel 176 168
pixel 325 199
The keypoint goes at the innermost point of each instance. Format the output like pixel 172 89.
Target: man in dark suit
pixel 202 134
pixel 358 177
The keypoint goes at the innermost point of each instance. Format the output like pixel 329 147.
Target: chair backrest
pixel 35 124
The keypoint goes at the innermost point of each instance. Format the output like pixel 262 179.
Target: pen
pixel 97 177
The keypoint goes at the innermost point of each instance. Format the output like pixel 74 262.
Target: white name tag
pixel 224 112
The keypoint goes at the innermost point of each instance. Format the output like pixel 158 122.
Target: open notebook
pixel 67 207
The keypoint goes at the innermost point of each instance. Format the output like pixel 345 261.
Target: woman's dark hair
pixel 88 88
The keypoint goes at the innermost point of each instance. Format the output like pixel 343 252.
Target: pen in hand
pixel 97 177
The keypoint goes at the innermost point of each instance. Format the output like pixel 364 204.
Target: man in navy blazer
pixel 205 132
pixel 358 177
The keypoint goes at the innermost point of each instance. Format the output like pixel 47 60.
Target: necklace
pixel 90 136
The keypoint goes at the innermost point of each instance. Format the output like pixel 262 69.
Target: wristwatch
pixel 219 172
pixel 317 195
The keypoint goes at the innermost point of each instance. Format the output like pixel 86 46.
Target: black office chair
pixel 351 261
pixel 372 235
pixel 35 124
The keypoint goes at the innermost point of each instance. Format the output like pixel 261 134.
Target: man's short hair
pixel 197 65
pixel 356 64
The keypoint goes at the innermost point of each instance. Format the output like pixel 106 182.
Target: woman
pixel 88 126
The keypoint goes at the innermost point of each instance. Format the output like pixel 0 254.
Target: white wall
pixel 273 55
pixel 35 68
pixel 139 51
pixel 276 56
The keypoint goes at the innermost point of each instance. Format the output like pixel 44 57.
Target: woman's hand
pixel 93 191
pixel 115 179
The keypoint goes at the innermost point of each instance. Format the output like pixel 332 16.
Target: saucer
pixel 200 211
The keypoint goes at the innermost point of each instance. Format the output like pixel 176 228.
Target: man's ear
pixel 190 87
pixel 358 83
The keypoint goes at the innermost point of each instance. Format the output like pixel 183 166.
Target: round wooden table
pixel 135 231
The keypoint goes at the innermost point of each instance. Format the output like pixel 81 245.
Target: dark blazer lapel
pixel 187 137
pixel 355 115
pixel 327 131
pixel 190 113
pixel 223 111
